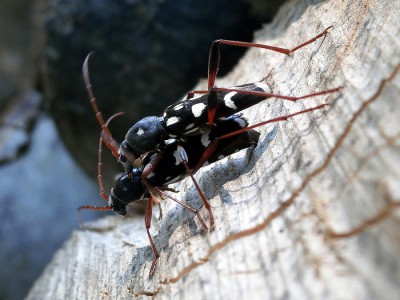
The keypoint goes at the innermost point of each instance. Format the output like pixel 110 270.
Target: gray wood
pixel 312 212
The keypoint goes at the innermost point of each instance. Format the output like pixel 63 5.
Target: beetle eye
pixel 126 153
pixel 122 158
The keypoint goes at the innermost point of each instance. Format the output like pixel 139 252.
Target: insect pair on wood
pixel 202 128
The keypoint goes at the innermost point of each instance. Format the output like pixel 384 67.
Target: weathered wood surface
pixel 312 212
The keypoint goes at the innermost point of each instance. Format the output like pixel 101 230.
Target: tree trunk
pixel 311 212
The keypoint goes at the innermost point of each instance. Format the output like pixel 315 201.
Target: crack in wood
pixel 386 212
pixel 143 292
pixel 389 141
pixel 146 293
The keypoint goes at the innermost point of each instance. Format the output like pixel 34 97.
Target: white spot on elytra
pixel 178 106
pixel 193 130
pixel 228 100
pixel 140 131
pixel 265 87
pixel 151 175
pixel 190 126
pixel 197 109
pixel 177 157
pixel 169 141
pixel 172 121
pixel 205 139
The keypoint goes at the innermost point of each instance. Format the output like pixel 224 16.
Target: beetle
pixel 176 161
pixel 157 151
pixel 193 114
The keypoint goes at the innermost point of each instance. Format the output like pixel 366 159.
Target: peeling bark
pixel 311 212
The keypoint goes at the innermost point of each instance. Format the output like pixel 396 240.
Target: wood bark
pixel 311 212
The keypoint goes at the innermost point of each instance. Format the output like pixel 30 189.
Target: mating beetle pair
pixel 161 150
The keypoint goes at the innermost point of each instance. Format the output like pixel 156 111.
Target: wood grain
pixel 311 212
